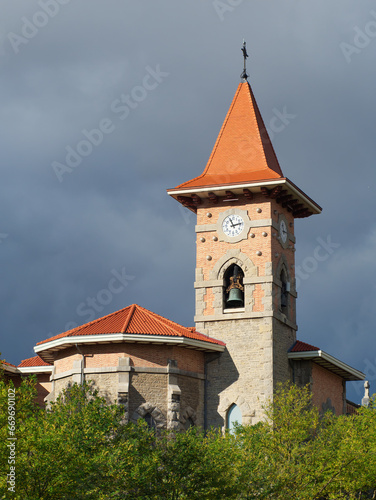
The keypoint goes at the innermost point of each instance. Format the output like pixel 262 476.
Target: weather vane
pixel 244 74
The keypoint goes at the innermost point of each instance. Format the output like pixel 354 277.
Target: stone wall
pixel 192 402
pixel 165 381
pixel 148 388
pixel 243 373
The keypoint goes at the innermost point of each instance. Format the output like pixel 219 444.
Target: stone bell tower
pixel 245 270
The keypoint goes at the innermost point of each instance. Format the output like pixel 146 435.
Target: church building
pixel 226 367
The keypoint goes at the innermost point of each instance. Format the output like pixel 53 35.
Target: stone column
pixel 173 395
pixel 124 369
pixel 78 368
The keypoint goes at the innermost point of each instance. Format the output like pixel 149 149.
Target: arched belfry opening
pixel 285 286
pixel 233 287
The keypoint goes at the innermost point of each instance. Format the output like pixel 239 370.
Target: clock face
pixel 283 231
pixel 233 225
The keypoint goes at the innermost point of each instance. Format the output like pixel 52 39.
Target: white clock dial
pixel 283 231
pixel 233 225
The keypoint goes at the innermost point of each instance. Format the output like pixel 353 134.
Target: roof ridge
pixel 68 333
pixel 128 320
pixel 161 317
pixel 216 144
pixel 98 319
pixel 224 124
pixel 258 117
pixel 162 320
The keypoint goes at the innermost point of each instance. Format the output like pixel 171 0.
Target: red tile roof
pixel 6 363
pixel 243 151
pixel 300 346
pixel 35 361
pixel 134 320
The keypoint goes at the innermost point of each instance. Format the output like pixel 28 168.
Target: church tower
pixel 245 268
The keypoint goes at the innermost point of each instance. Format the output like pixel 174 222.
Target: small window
pixel 150 421
pixel 234 417
pixel 233 288
pixel 284 294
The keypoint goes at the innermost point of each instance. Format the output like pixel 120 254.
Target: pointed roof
pixel 131 324
pixel 243 151
pixel 243 162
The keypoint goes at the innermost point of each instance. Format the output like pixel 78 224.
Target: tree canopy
pixel 80 448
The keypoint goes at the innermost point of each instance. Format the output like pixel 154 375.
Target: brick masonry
pixel 165 381
pixel 328 390
pixel 141 355
pixel 259 335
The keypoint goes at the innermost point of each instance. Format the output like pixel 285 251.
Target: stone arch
pixel 233 256
pixel 225 405
pixel 283 264
pixel 284 287
pixel 153 410
pixel 188 414
pixel 234 417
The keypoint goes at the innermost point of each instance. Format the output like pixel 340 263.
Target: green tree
pixel 79 448
pixel 298 453
pixel 62 452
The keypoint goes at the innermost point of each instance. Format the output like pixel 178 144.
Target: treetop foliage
pixel 80 448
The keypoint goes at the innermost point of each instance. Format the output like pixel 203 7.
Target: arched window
pixel 150 421
pixel 234 416
pixel 233 287
pixel 284 290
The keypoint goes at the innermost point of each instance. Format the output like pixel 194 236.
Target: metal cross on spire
pixel 244 74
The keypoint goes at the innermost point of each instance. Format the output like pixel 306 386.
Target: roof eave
pixel 35 369
pixel 9 368
pixel 223 187
pixel 338 367
pixel 46 350
pixel 255 186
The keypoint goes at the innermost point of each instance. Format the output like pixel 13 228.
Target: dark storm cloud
pixel 66 241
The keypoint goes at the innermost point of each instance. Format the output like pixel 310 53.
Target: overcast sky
pixel 87 228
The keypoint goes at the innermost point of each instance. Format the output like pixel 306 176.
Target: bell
pixel 235 298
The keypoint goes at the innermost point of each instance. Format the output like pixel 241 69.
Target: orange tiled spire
pixel 243 151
